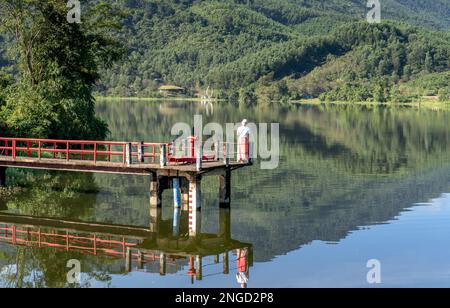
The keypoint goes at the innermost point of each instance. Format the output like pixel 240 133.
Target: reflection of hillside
pixel 362 140
pixel 339 165
pixel 53 194
pixel 381 140
pixel 341 168
pixel 295 217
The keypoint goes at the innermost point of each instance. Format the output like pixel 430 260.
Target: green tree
pixel 58 65
pixel 444 94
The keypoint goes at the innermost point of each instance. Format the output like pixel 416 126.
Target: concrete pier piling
pixel 176 221
pixel 162 264
pixel 225 189
pixel 195 205
pixel 176 193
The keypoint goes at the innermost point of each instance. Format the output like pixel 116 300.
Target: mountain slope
pixel 258 47
pixel 195 43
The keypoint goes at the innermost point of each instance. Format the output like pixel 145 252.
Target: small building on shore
pixel 171 90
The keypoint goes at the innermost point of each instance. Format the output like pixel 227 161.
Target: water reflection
pixel 342 169
pixel 139 248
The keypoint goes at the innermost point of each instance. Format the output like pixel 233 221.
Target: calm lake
pixel 354 184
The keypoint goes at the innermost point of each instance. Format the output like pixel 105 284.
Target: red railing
pixel 65 240
pixel 184 150
pixel 84 150
pixel 112 246
pixel 181 151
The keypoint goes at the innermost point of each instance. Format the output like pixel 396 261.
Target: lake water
pixel 354 184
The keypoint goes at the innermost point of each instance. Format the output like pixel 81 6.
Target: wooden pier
pixel 179 166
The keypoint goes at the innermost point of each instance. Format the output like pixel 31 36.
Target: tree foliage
pixel 58 66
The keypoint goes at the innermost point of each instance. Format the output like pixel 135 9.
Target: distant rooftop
pixel 170 88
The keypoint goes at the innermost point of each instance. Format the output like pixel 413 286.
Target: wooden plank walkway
pixel 113 167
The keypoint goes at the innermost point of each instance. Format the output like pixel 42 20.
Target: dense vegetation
pixel 280 49
pixel 267 50
pixel 55 68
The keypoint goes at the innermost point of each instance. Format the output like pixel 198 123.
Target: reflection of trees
pixel 38 268
pixel 359 139
pixel 380 140
pixel 52 194
pixel 49 194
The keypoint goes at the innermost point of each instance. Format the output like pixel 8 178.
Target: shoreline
pixel 153 99
pixel 425 104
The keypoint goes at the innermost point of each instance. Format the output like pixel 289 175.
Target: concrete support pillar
pixel 226 263
pixel 128 260
pixel 162 264
pixel 195 222
pixel 155 192
pixel 2 176
pixel 185 201
pixel 176 221
pixel 155 219
pixel 225 224
pixel 140 260
pixel 184 194
pixel 191 271
pixel 176 193
pixel 199 271
pixel 225 190
pixel 195 205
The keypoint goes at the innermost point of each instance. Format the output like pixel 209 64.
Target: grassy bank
pixel 155 99
pixel 426 104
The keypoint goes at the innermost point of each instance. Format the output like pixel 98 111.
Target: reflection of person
pixel 243 134
pixel 242 275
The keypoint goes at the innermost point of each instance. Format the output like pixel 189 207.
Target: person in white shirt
pixel 243 136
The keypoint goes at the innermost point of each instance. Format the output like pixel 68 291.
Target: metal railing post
pixel 141 155
pixel 199 156
pixel 250 152
pixel 129 156
pixel 216 151
pixel 226 152
pixel 14 149
pixel 163 155
pixel 95 152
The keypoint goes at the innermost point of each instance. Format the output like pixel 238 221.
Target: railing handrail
pixel 80 142
pixel 82 150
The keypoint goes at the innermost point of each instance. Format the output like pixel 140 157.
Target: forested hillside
pixel 269 50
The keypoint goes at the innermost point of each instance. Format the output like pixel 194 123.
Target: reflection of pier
pixel 169 242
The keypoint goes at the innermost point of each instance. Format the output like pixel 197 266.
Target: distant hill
pixel 279 49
